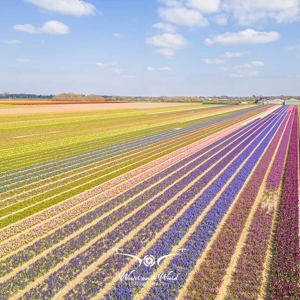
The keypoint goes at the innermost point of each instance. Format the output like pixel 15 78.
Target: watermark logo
pixel 150 260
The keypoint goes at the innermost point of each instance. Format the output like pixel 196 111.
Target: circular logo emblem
pixel 149 260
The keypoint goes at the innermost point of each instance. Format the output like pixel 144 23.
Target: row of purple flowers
pixel 44 264
pixel 276 171
pixel 247 280
pixel 182 167
pixel 196 244
pixel 60 278
pixel 125 290
pixel 285 266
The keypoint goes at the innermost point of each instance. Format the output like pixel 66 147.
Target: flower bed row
pixel 285 266
pixel 181 140
pixel 62 207
pixel 34 173
pixel 86 147
pixel 57 195
pixel 57 154
pixel 210 273
pixel 197 241
pixel 17 193
pixel 92 198
pixel 46 263
pixel 34 190
pixel 29 210
pixel 94 177
pixel 276 172
pixel 186 165
pixel 246 281
pixel 66 273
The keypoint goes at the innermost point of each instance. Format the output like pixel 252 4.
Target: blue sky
pixel 150 47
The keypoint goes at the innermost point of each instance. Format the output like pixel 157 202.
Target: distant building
pixel 276 101
pixel 292 101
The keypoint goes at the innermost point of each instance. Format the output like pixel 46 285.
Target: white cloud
pixel 251 69
pixel 191 12
pixel 248 36
pixel 164 27
pixel 223 68
pixel 172 3
pixel 165 52
pixel 213 61
pixel 251 11
pixel 12 42
pixel 100 64
pixel 116 70
pixel 221 20
pixel 167 40
pixel 50 27
pixel 113 68
pixel 55 27
pixel 29 28
pixel 106 65
pixel 118 35
pixel 204 6
pixel 158 69
pixel 23 60
pixel 232 54
pixel 254 64
pixel 67 7
pixel 244 73
pixel 182 16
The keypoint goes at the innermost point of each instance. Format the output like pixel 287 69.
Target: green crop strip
pixel 85 186
pixel 70 176
pixel 58 149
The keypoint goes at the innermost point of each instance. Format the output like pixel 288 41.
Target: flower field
pixel 169 202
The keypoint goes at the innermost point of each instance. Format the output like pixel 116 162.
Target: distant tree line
pixel 24 96
pixel 106 98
